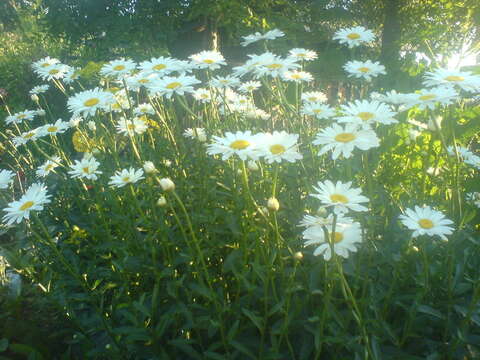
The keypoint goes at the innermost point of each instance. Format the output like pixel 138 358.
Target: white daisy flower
pixel 320 111
pixel 129 127
pixel 6 178
pixel 303 54
pixel 25 137
pixel 86 103
pixel 160 66
pixel 203 95
pixel 168 85
pixel 48 166
pixel 135 82
pixel 184 66
pixel 273 34
pixel 279 146
pixel 39 89
pixel 34 199
pixel 344 140
pixel 71 74
pixel 53 129
pixel 45 62
pixel 269 35
pixel 354 36
pixel 426 221
pixel 366 113
pixel 243 144
pixel 345 238
pixel 208 60
pixel 273 65
pixel 463 79
pixel 474 161
pixel 86 168
pixel 249 86
pixel 144 109
pixel 429 98
pixel 402 101
pixel 319 221
pixel 126 176
pixel 341 196
pixel 195 133
pixel 314 97
pixel 255 113
pixel 297 76
pixel 18 118
pixel 55 71
pixel 221 82
pixel 474 198
pixel 118 68
pixel 364 69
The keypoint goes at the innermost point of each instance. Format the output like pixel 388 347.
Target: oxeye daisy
pixel 354 36
pixel 126 176
pixel 144 109
pixel 402 101
pixel 221 82
pixel 242 144
pixel 20 117
pixel 364 69
pixel 249 86
pixel 6 178
pixel 303 54
pixel 426 221
pixel 118 68
pixel 279 146
pixel 86 103
pixel 208 60
pixel 463 79
pixel 195 133
pixel 341 196
pixel 135 82
pixel 86 168
pixel 168 85
pixel 160 66
pixel 343 239
pixel 25 137
pixel 429 98
pixel 45 62
pixel 297 76
pixel 34 199
pixel 71 74
pixel 48 166
pixel 319 221
pixel 343 140
pixel 314 97
pixel 366 113
pixel 320 111
pixel 58 127
pixel 273 65
pixel 39 89
pixel 55 71
pixel 135 126
pixel 203 95
pixel 269 35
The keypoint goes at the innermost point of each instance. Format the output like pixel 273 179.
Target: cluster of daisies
pixel 348 127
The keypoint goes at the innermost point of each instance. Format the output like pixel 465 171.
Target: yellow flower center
pixel 204 96
pixel 312 98
pixel 131 127
pixel 21 116
pixel 336 237
pixel 27 205
pixel 159 67
pixel 277 149
pixel 353 36
pixel 240 144
pixel 52 128
pixel 317 111
pixel 208 61
pixel 345 137
pixel 48 167
pixel 274 66
pixel 425 223
pixel 91 102
pixel 119 68
pixel 365 116
pixel 454 78
pixel 301 55
pixel 86 170
pixel 143 81
pixel 339 198
pixel 126 179
pixel 296 76
pixel 427 97
pixel 53 71
pixel 173 85
pixel 45 64
pixel 364 69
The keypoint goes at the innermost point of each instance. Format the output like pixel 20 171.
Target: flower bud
pixel 161 201
pixel 41 112
pixel 167 163
pixel 167 184
pixel 91 125
pixel 413 134
pixel 149 167
pixel 252 165
pixel 202 137
pixel 34 97
pixel 298 256
pixel 74 121
pixel 273 204
pixel 322 211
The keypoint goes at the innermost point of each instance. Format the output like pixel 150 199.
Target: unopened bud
pixel 161 201
pixel 167 184
pixel 202 137
pixel 322 211
pixel 273 204
pixel 149 167
pixel 252 165
pixel 34 97
pixel 298 256
pixel 167 163
pixel 41 112
pixel 91 125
